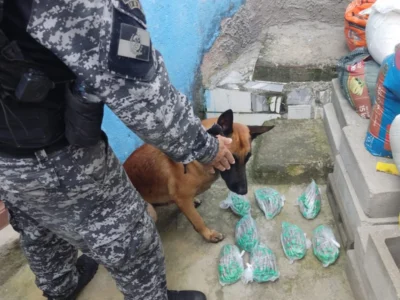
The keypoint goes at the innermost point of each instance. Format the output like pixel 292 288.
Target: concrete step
pixel 295 151
pixel 345 202
pixel 382 261
pixel 356 275
pixel 300 52
pixel 346 115
pixel 341 220
pixel 378 192
pixel 332 128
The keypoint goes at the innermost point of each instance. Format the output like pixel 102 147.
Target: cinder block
pixel 300 96
pixel 248 118
pixel 362 290
pixel 332 128
pixel 347 116
pixel 265 86
pixel 221 100
pixel 361 241
pixel 348 201
pixel 299 112
pixel 378 192
pixel 382 262
pixel 259 103
pixel 342 223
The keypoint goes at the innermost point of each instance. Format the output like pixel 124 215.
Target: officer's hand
pixel 224 157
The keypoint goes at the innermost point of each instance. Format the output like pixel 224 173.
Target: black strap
pixel 1 10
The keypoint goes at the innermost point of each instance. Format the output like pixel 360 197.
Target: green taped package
pixel 310 201
pixel 262 267
pixel 269 201
pixel 240 205
pixel 294 242
pixel 325 246
pixel 230 266
pixel 246 233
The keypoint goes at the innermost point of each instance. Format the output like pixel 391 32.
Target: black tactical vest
pixel 35 99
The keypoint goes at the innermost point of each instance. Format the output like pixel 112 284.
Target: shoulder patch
pixel 133 4
pixel 134 43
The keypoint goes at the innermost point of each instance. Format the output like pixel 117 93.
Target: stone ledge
pixel 356 277
pixel 295 151
pixel 281 61
pixel 382 261
pixel 378 192
pixel 332 128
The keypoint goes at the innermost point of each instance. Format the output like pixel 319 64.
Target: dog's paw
pixel 215 237
pixel 197 203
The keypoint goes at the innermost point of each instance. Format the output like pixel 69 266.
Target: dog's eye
pixel 247 157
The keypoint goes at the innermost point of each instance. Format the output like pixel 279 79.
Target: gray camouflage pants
pixel 82 199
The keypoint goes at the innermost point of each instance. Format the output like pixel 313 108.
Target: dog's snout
pixel 240 189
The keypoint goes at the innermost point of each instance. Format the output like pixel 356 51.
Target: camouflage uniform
pixel 78 198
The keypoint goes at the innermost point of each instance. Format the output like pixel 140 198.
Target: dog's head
pixel 242 137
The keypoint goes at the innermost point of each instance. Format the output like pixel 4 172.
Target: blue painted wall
pixel 182 30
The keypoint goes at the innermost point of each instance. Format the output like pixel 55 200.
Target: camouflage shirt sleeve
pixel 106 44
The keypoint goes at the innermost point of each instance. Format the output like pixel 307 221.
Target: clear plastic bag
pixel 230 266
pixel 269 201
pixel 325 246
pixel 310 201
pixel 240 205
pixel 263 266
pixel 294 242
pixel 246 233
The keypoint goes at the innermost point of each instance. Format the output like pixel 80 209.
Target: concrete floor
pixel 192 263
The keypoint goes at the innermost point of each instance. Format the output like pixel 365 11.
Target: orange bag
pixel 355 23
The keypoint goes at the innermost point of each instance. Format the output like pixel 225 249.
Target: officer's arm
pixel 105 43
pixel 160 114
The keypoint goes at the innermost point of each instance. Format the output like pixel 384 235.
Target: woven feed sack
pixel 387 106
pixel 355 21
pixel 358 74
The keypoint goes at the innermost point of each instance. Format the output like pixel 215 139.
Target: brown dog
pixel 160 180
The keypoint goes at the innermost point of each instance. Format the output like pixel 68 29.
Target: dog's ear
pixel 226 122
pixel 255 131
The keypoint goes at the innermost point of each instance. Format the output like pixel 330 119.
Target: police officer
pixel 60 62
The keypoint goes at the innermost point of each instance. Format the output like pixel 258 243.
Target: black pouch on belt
pixel 83 119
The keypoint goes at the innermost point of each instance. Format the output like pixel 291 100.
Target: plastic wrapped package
pixel 240 205
pixel 246 233
pixel 263 266
pixel 325 246
pixel 269 201
pixel 230 266
pixel 310 201
pixel 294 242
